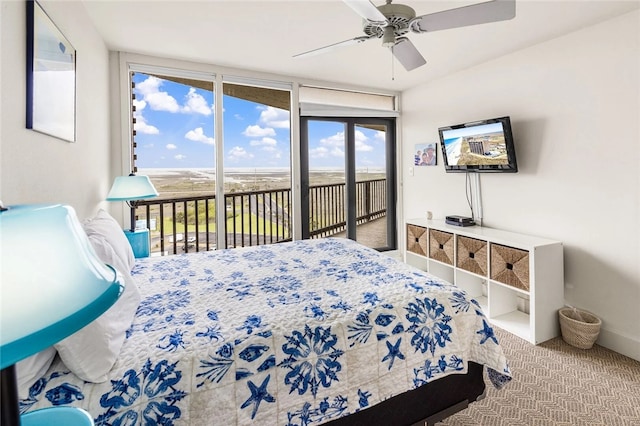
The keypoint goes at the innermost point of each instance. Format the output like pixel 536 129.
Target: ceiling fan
pixel 392 22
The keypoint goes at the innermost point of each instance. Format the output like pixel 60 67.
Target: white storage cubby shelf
pixel 517 279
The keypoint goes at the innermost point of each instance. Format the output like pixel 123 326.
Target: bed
pixel 314 331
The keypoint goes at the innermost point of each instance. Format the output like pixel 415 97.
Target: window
pixel 257 164
pixel 221 152
pixel 174 143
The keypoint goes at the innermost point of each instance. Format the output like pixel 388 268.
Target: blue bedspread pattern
pixel 288 334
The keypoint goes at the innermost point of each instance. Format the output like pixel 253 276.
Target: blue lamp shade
pixel 132 187
pixel 53 284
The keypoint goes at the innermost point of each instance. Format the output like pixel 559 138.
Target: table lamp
pixel 131 188
pixel 53 284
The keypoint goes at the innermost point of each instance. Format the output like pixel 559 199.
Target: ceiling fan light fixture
pixel 388 37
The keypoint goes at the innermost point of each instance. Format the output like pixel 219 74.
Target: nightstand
pixel 139 240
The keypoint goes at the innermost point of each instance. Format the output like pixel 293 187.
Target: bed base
pixel 425 405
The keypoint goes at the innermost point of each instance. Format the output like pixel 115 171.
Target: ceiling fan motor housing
pixel 398 16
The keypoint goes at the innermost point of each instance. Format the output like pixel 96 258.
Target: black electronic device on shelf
pixel 459 220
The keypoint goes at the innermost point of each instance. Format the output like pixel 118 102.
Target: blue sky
pixel 175 129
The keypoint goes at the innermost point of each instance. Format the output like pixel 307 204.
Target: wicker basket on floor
pixel 579 328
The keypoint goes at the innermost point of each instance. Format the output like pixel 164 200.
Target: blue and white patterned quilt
pixel 285 334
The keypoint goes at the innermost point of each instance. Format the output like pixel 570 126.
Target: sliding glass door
pixel 348 179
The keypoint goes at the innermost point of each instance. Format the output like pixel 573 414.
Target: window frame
pixel 122 151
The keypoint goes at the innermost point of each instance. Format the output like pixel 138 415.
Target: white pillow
pixel 31 369
pixel 105 226
pixel 91 352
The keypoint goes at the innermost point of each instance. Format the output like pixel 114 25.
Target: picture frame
pixel 425 154
pixel 51 77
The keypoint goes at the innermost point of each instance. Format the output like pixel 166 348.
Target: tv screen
pixel 479 146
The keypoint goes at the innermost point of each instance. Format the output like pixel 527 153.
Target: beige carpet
pixel 557 384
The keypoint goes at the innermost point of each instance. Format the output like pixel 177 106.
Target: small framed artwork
pixel 425 155
pixel 51 77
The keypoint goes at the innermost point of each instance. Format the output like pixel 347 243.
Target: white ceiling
pixel 264 35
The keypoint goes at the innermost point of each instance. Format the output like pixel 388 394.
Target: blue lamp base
pixel 52 416
pixel 139 240
pixel 57 416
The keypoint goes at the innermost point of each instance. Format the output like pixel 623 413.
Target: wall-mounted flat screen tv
pixel 479 146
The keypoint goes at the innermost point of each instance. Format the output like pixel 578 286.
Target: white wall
pixel 574 107
pixel 36 168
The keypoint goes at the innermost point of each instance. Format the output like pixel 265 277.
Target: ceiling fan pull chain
pixel 393 70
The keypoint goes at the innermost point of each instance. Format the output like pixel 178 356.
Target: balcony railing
pixel 188 223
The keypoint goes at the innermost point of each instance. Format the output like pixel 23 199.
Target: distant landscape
pixel 179 182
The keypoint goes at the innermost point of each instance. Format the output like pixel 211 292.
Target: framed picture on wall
pixel 51 77
pixel 425 154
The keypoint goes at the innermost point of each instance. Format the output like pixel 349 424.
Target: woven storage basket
pixel 510 266
pixel 579 328
pixel 417 239
pixel 472 255
pixel 441 246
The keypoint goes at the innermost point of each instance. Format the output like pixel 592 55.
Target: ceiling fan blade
pixel 407 54
pixel 333 46
pixel 480 13
pixel 367 10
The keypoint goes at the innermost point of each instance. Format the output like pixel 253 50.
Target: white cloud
pixel 140 105
pixel 256 131
pixel 141 124
pixel 361 146
pixel 275 117
pixel 179 157
pixel 238 153
pixel 264 142
pixel 157 100
pixel 198 135
pixel 361 142
pixel 337 152
pixel 334 140
pixel 320 152
pixel 171 146
pixel 337 141
pixel 334 145
pixel 196 103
